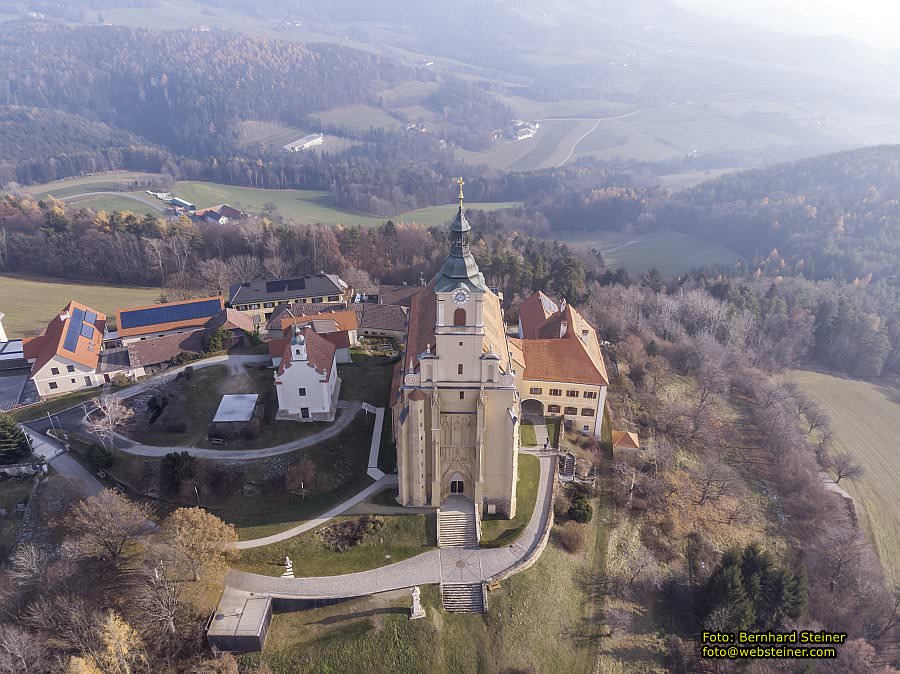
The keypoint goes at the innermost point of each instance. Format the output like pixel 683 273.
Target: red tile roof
pixel 156 350
pixel 545 323
pixel 387 317
pixel 300 309
pixel 44 348
pixel 625 440
pixel 231 319
pixel 344 320
pixel 340 339
pixel 319 354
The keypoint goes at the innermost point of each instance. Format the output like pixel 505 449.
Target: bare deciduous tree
pixel 159 598
pixel 29 564
pixel 106 522
pixel 845 466
pixel 244 268
pixel 109 415
pixel 20 651
pixel 215 275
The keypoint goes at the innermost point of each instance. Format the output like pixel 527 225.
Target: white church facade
pixel 307 379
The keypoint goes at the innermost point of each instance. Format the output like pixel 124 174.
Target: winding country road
pixel 596 121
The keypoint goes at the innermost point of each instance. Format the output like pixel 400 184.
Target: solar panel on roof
pixel 87 330
pixel 90 317
pixel 139 318
pixel 296 284
pixel 71 341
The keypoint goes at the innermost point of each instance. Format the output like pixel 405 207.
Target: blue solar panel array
pixel 285 285
pixel 140 318
pixel 87 330
pixel 90 317
pixel 75 323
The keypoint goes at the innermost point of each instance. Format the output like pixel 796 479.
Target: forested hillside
pixel 832 216
pixel 179 89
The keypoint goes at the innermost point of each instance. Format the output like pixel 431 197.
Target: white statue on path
pixel 417 611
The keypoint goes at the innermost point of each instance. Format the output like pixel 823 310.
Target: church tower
pixel 456 419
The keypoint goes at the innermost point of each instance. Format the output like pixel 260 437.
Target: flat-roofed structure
pixel 236 408
pixel 241 622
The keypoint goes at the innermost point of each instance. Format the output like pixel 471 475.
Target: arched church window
pixel 459 317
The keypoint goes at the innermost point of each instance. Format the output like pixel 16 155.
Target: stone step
pixel 456 524
pixel 462 597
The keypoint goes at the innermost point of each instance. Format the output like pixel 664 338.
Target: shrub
pixel 216 340
pixel 342 536
pixel 570 538
pixel 176 467
pixel 581 511
pixel 99 456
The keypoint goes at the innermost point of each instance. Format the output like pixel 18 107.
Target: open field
pixel 682 181
pixel 113 181
pixel 866 422
pixel 670 252
pixel 358 118
pixel 441 215
pixel 308 206
pixel 400 537
pixel 109 203
pixel 521 632
pixel 30 302
pixel 303 206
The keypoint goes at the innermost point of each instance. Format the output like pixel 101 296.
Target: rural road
pixel 155 204
pixel 596 121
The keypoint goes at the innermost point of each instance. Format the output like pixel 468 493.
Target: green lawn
pixel 367 378
pixel 30 302
pixel 522 630
pixel 670 252
pixel 114 181
pixel 401 537
pixel 11 492
pixel 441 215
pixel 866 422
pixel 304 206
pixel 358 118
pixel 495 532
pixel 527 435
pixel 110 203
pixel 553 427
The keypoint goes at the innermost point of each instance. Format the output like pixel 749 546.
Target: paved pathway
pixel 374 488
pixel 63 463
pixel 441 565
pixel 349 410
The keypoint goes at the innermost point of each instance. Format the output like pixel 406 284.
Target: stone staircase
pixel 462 597
pixel 567 466
pixel 456 524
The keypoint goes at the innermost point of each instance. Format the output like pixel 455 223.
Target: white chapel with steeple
pixel 456 408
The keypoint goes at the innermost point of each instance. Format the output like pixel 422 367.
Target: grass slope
pixel 401 537
pixel 30 302
pixel 110 203
pixel 866 422
pixel 101 182
pixel 671 252
pixel 538 621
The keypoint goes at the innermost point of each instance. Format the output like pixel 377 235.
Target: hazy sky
pixel 874 21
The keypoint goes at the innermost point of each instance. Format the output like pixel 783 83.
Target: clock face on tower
pixel 460 296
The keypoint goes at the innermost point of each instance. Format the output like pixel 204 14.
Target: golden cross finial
pixel 461 182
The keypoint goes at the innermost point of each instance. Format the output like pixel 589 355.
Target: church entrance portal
pixel 457 487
